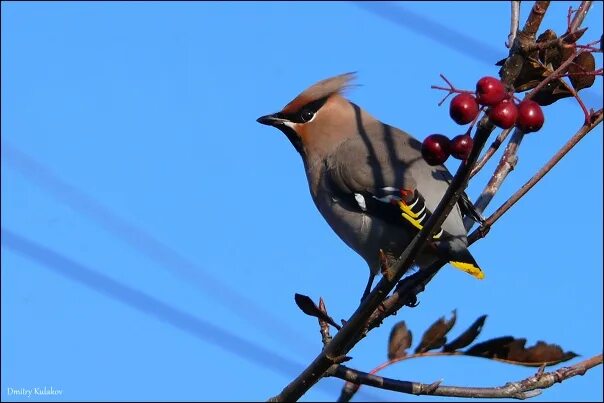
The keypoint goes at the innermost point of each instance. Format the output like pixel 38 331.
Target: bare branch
pixel 506 165
pixel 522 389
pixel 468 222
pixel 534 19
pixel 492 149
pixel 324 326
pixel 514 22
pixel 579 16
pixel 570 89
pixel 586 128
pixel 404 294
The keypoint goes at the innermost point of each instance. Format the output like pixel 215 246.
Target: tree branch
pixel 534 19
pixel 595 120
pixel 407 289
pixel 507 163
pixel 514 22
pixel 579 16
pixel 522 389
pixel 492 150
pixel 404 294
pixel 509 159
pixel 323 325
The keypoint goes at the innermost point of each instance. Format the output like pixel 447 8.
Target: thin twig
pixel 572 90
pixel 579 16
pixel 324 326
pixel 566 39
pixel 507 163
pixel 405 293
pixel 514 22
pixel 451 90
pixel 586 128
pixel 534 19
pixel 522 389
pixel 489 153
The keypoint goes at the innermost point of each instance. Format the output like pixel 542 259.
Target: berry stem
pixel 569 15
pixel 597 72
pixel 589 47
pixel 451 89
pixel 570 89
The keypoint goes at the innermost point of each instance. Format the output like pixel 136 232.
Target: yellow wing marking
pixel 469 268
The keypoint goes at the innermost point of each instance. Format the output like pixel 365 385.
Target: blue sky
pixel 154 235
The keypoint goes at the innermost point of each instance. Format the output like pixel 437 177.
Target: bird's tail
pixel 460 257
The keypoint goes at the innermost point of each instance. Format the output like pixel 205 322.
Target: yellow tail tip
pixel 469 268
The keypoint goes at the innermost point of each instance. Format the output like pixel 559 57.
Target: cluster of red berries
pixel 504 112
pixel 437 148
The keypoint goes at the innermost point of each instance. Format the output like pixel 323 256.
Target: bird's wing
pixel 379 177
pixel 386 177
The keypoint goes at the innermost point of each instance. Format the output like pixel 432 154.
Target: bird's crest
pixel 322 89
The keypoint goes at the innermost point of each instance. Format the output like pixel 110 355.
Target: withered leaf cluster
pixel 507 349
pixel 530 67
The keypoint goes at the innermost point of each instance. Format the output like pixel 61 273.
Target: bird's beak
pixel 271 120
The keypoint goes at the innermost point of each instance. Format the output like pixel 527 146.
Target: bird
pixel 369 181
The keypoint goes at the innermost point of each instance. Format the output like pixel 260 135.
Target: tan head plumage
pixel 320 90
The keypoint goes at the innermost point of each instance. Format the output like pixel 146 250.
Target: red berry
pixel 461 146
pixel 463 108
pixel 435 149
pixel 530 116
pixel 489 91
pixel 504 114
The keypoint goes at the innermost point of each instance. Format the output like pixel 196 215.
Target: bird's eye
pixel 306 115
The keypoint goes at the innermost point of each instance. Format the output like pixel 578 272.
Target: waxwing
pixel 369 180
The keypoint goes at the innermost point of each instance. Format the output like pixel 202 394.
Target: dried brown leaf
pixel 541 353
pixel 584 63
pixel 435 336
pixel 574 36
pixel 400 340
pixel 567 51
pixel 511 68
pixel 551 54
pixel 512 350
pixel 306 305
pixel 501 62
pixel 493 348
pixel 467 337
pixel 547 35
pixel 551 92
pixel 533 71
